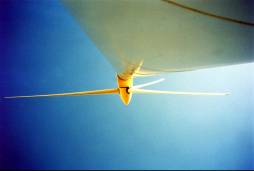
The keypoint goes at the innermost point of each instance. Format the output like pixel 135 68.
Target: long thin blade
pixel 147 84
pixel 143 91
pixel 95 92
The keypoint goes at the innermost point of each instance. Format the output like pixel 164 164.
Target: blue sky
pixel 43 50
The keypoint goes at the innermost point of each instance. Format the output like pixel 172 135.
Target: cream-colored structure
pixel 168 35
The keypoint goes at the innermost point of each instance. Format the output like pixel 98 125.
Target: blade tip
pixel 7 97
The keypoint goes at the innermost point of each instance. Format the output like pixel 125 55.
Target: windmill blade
pixel 82 93
pixel 149 83
pixel 142 72
pixel 144 91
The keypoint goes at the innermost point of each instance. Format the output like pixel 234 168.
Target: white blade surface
pixel 82 93
pixel 143 91
pixel 147 84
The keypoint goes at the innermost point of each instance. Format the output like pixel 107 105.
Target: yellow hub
pixel 124 85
